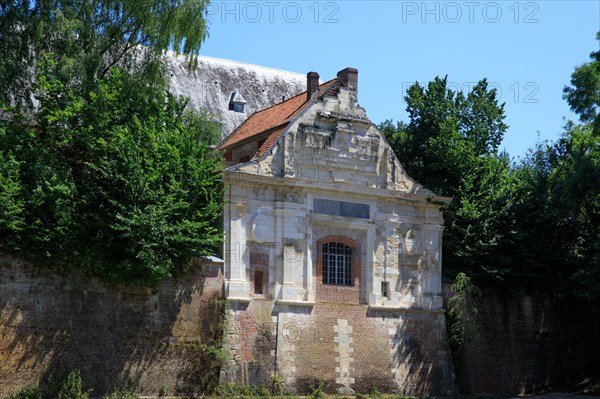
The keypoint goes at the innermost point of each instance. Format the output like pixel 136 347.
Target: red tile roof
pixel 272 121
pixel 270 140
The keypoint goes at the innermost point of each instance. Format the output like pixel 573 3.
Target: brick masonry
pixel 150 338
pixel 145 338
pixel 348 347
pixel 530 342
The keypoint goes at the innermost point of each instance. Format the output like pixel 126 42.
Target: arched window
pixel 337 263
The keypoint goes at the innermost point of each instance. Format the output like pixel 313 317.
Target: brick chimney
pixel 349 77
pixel 312 84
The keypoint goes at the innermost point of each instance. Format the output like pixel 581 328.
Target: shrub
pixel 30 392
pixel 73 387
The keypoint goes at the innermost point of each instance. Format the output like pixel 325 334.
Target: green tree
pixel 45 193
pixel 121 183
pixel 446 132
pixel 154 182
pixel 11 200
pixel 101 167
pixel 89 37
pixel 583 95
pixel 536 222
pixel 560 212
pixel 450 145
pixel 481 225
pixel 560 188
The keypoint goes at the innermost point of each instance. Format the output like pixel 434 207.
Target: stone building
pixel 230 90
pixel 332 252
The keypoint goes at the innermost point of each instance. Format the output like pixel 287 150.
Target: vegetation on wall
pixel 101 167
pixel 72 386
pixel 534 221
pixel 461 317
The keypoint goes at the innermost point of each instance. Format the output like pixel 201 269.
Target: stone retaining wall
pixel 530 343
pixel 145 338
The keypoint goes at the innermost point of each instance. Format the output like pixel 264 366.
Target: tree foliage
pixel 447 132
pixel 561 188
pixel 561 211
pixel 534 222
pixel 89 37
pixel 121 182
pixel 450 145
pixel 583 95
pixel 462 313
pixel 101 167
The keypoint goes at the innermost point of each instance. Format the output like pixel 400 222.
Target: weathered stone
pixel 143 338
pixel 331 326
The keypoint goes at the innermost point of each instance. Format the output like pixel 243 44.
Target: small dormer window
pixel 236 102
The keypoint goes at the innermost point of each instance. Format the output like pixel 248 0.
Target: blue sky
pixel 526 49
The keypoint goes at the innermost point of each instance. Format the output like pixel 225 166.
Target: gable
pixel 333 141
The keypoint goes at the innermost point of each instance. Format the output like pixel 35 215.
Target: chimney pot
pixel 312 84
pixel 349 78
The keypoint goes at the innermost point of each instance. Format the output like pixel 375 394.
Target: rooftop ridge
pixel 239 63
pixel 291 98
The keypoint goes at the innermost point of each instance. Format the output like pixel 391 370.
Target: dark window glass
pixel 354 210
pixel 258 282
pixel 341 208
pixel 385 289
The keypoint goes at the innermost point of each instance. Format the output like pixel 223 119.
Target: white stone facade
pixel 331 173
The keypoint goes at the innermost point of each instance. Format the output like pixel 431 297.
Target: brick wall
pixel 154 337
pixel 147 338
pixel 529 343
pixel 348 347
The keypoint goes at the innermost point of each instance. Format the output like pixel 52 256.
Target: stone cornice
pixel 247 179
